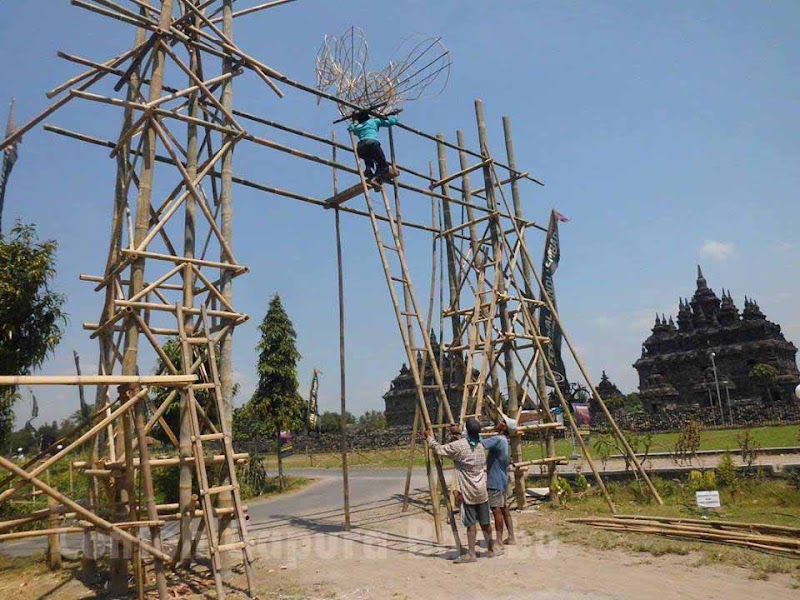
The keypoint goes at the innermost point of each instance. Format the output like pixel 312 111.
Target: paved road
pixel 322 501
pixel 320 506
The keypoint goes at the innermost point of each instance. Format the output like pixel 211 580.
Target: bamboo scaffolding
pixel 110 528
pixel 492 258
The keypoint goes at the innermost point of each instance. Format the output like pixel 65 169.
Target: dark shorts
pixel 497 498
pixel 471 514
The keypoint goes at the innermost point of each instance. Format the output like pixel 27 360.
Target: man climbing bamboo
pixel 470 461
pixel 376 169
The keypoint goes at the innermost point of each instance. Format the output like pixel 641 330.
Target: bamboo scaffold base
pixel 167 287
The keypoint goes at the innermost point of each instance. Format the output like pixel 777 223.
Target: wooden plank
pixel 343 196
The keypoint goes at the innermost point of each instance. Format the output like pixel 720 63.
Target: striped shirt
pixel 470 468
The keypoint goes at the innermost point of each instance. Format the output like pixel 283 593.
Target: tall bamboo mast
pixel 342 355
pixel 226 212
pixel 185 503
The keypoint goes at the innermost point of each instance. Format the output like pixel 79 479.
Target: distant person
pixel 497 479
pixel 470 461
pixel 376 169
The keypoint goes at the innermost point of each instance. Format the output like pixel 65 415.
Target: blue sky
pixel 666 131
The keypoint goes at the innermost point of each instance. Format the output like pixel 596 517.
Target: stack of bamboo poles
pixel 776 539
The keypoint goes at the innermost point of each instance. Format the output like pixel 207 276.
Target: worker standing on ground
pixel 376 169
pixel 470 460
pixel 497 479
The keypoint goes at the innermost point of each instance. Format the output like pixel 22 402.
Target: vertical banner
pixel 547 323
pixel 313 407
pixel 9 158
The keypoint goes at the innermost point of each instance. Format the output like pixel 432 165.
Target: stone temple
pixel 676 368
pixel 401 399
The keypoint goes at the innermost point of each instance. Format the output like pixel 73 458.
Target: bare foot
pixel 510 541
pixel 466 558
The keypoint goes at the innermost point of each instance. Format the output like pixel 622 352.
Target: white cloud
pixel 603 322
pixel 782 246
pixel 718 251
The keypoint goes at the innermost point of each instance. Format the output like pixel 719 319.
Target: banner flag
pixel 313 406
pixel 9 158
pixel 547 323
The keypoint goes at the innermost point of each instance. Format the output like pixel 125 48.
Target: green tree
pixel 764 376
pixel 276 404
pixel 329 421
pixel 372 420
pixel 31 315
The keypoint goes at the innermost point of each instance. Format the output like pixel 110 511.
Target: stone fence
pixel 389 438
pixel 743 413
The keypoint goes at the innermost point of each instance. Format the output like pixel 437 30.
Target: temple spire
pixel 701 281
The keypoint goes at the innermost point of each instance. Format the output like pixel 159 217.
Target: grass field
pixel 712 439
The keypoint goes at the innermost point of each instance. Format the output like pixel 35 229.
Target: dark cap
pixel 473 428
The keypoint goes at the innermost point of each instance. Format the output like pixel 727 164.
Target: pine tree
pixel 276 404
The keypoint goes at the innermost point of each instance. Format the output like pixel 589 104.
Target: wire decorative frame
pixel 420 68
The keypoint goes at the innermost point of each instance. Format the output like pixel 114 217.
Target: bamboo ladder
pixel 410 322
pixel 222 435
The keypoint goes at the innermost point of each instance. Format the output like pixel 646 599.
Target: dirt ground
pixel 393 555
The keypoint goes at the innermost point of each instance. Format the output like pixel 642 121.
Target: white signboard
pixel 708 499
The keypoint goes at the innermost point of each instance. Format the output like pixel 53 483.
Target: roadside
pixel 303 551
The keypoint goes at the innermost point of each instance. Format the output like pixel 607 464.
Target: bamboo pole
pixel 257 186
pixel 149 492
pixel 516 450
pixel 455 321
pixel 342 366
pixel 252 9
pixel 511 380
pixel 158 380
pixel 50 532
pixel 562 460
pixel 216 459
pixel 225 500
pixel 53 541
pixel 185 444
pixel 410 466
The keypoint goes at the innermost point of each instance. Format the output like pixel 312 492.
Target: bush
pixel 563 490
pixel 666 488
pixel 253 478
pixel 165 484
pixel 581 483
pixel 688 442
pixel 748 447
pixel 727 473
pixel 700 481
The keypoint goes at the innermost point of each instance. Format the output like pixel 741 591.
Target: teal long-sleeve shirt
pixel 368 130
